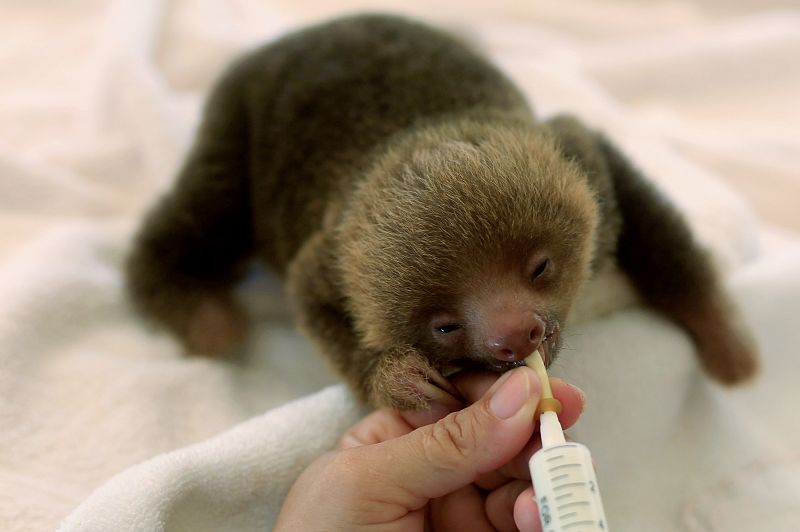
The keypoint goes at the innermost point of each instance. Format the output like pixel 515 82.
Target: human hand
pixel 433 470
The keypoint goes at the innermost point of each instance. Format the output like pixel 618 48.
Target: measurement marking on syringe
pixel 559 477
pixel 564 496
pixel 557 457
pixel 569 485
pixel 563 466
pixel 577 523
pixel 574 503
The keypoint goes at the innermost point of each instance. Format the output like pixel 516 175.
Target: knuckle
pixel 452 441
pixel 343 471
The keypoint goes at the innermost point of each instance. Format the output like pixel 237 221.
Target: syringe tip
pixel 548 403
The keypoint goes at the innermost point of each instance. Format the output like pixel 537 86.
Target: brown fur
pixel 392 175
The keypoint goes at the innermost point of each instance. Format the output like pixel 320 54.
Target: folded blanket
pixel 235 481
pixel 672 450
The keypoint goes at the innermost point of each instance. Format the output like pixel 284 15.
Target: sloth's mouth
pixel 501 367
pixel 551 344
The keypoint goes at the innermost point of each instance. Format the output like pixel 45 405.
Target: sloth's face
pixel 472 251
pixel 504 312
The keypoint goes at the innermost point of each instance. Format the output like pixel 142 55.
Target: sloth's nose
pixel 515 338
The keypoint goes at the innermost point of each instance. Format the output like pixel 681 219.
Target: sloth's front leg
pixel 399 377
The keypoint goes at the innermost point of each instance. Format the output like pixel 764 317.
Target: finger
pixel 470 384
pixel 473 385
pixel 492 480
pixel 526 512
pixel 436 410
pixel 459 511
pixel 572 399
pixel 500 505
pixel 518 467
pixel 381 425
pixel 438 459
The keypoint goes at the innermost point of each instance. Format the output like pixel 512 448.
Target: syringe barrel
pixel 566 489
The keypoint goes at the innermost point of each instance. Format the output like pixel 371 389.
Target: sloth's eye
pixel 448 328
pixel 541 268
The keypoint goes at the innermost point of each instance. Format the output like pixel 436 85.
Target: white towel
pixel 235 481
pixel 672 450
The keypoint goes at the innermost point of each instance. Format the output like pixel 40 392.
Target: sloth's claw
pixel 436 377
pixel 438 393
pixel 404 379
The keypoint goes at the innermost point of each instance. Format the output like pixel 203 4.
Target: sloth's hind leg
pixel 674 275
pixel 194 244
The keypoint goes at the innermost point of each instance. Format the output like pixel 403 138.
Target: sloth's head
pixel 469 245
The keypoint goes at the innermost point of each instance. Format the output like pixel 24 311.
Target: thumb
pixel 438 459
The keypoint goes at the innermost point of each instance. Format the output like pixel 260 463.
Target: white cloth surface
pixel 673 451
pixel 235 481
pixel 97 104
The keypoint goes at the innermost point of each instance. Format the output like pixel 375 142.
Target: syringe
pixel 563 474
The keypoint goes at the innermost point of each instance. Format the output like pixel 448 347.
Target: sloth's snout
pixel 514 338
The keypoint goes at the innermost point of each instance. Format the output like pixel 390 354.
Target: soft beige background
pixel 97 103
pixel 735 111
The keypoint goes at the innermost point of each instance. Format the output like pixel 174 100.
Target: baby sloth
pixel 422 217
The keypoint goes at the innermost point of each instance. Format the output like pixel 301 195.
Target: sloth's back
pixel 318 102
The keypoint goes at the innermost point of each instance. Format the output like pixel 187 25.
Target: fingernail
pixel 513 391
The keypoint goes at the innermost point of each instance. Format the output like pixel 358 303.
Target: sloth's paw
pixel 404 379
pixel 730 359
pixel 216 327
